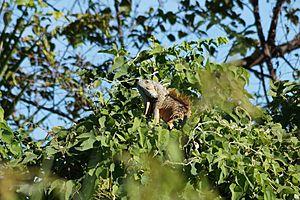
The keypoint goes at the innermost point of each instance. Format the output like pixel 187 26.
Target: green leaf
pixel 101 121
pixel 236 192
pixel 1 114
pixel 56 129
pixel 57 14
pixel 69 188
pixel 3 152
pixel 109 51
pixel 269 194
pixel 121 137
pixel 50 150
pixel 163 138
pixel 112 167
pixel 179 67
pixel 25 2
pixel 97 83
pixel 87 144
pixel 86 135
pixel 29 157
pixel 222 40
pixel 125 6
pixel 56 184
pixel 118 63
pixel 272 93
pixel 103 140
pixel 7 17
pixel 7 135
pixel 15 148
pixel 156 49
pixel 136 124
pixel 171 17
pixel 120 73
pixel 193 169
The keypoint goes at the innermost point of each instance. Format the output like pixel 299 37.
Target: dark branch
pixel 264 85
pixel 259 74
pixel 258 21
pixel 272 30
pixel 289 46
pixel 289 63
pixel 257 57
pixel 267 48
pixel 271 68
pixel 10 109
pixel 52 110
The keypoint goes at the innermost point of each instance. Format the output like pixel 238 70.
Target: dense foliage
pixel 43 43
pixel 227 149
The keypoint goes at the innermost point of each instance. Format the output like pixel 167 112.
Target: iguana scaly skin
pixel 162 102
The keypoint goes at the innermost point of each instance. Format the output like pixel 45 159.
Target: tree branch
pixel 264 84
pixel 52 110
pixel 258 21
pixel 289 64
pixel 259 74
pixel 10 109
pixel 267 48
pixel 257 57
pixel 271 68
pixel 272 30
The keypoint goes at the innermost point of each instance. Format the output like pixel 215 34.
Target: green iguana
pixel 162 102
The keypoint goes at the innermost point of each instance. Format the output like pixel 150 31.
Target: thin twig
pixel 289 64
pixel 48 109
pixel 264 84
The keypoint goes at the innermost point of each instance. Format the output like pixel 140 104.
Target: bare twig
pixel 52 110
pixel 258 21
pixel 264 84
pixel 272 30
pixel 259 74
pixel 55 9
pixel 2 6
pixel 289 64
pixel 15 99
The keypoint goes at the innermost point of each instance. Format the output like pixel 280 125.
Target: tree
pixel 227 149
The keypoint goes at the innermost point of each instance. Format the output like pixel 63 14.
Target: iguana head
pixel 151 92
pixel 147 88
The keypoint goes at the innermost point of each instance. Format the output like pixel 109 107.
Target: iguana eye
pixel 146 81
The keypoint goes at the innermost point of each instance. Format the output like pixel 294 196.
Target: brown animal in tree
pixel 162 102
